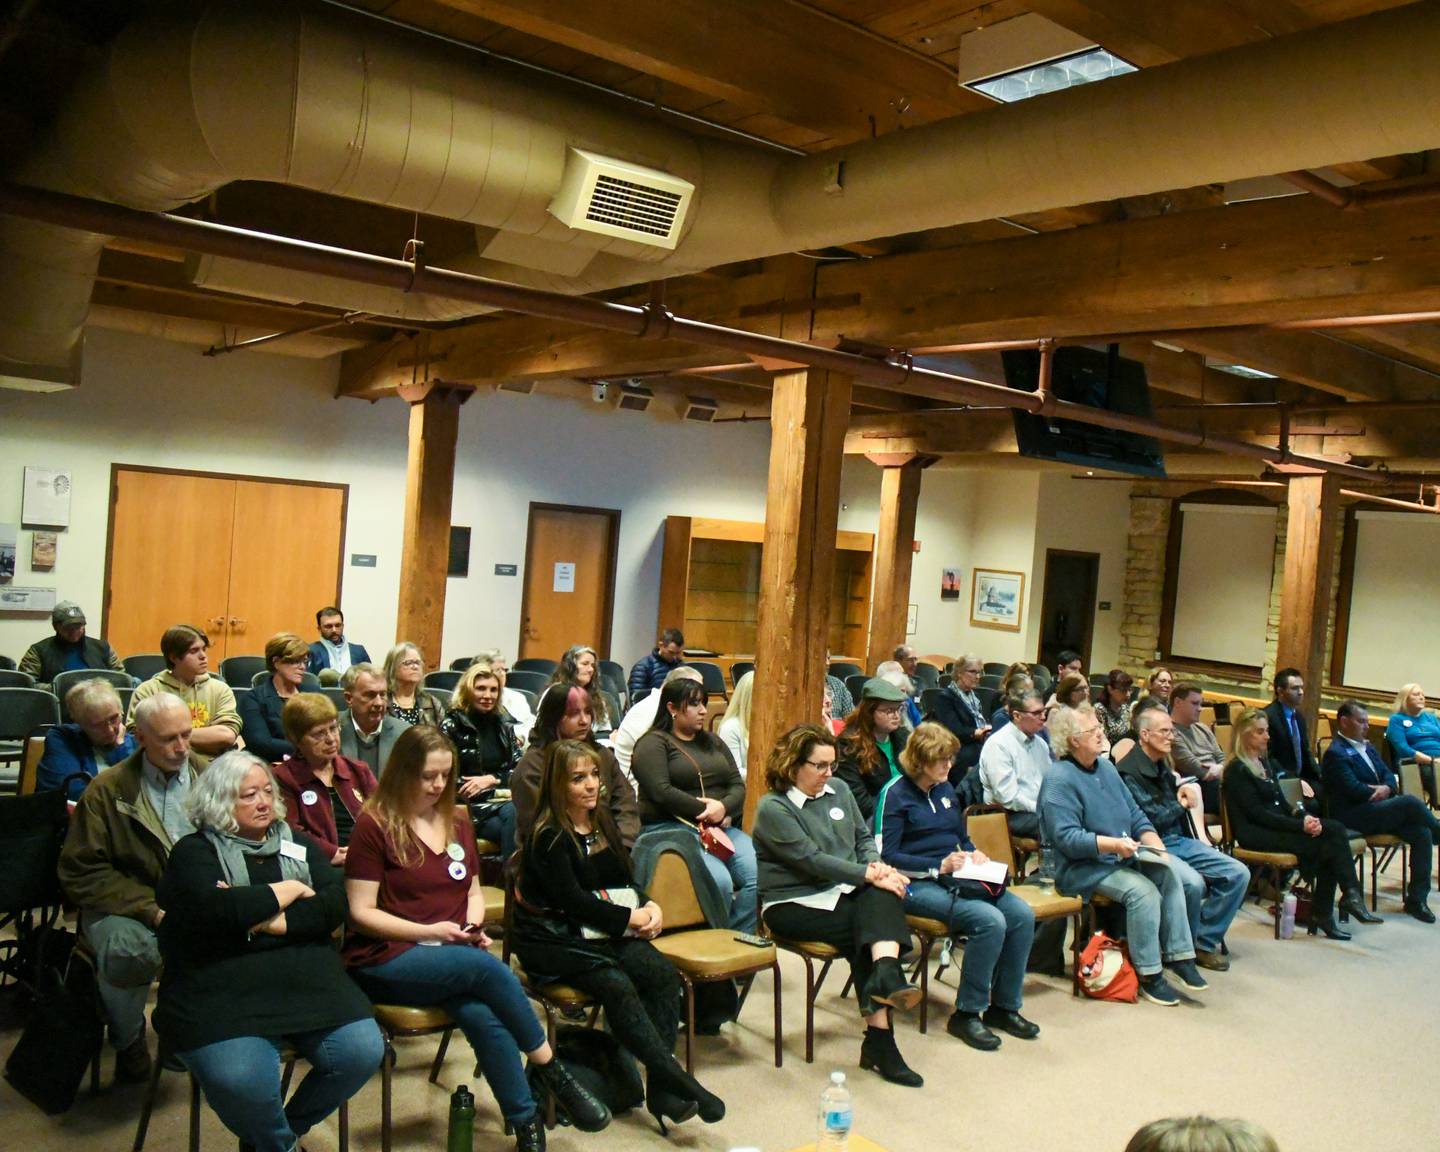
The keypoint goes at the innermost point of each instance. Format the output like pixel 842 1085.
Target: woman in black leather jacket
pixel 484 737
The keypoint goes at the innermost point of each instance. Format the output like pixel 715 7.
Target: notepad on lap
pixel 991 872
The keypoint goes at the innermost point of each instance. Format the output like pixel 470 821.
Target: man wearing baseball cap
pixel 69 649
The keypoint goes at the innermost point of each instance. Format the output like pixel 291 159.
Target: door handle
pixel 218 623
pixel 237 625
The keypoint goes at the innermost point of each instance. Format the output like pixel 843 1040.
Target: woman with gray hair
pixel 958 708
pixel 404 673
pixel 248 908
pixel 75 752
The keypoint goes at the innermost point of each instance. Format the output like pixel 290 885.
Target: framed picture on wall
pixel 950 584
pixel 996 596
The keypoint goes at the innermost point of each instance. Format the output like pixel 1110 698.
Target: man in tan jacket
pixel 120 837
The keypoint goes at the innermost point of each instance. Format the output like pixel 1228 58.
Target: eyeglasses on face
pixel 820 765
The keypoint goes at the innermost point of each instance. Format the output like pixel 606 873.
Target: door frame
pixel 613 516
pixel 116 468
pixel 1089 641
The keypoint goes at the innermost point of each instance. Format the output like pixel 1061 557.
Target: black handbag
pixel 60 1040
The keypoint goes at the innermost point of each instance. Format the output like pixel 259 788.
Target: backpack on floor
pixel 597 1060
pixel 1106 972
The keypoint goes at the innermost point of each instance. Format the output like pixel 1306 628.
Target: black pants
pixel 1408 818
pixel 1326 857
pixel 641 997
pixel 863 917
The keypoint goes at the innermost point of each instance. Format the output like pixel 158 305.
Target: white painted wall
pixel 148 402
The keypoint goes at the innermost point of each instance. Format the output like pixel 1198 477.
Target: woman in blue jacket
pixel 922 826
pixel 1414 734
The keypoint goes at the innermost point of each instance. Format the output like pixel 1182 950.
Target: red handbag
pixel 713 838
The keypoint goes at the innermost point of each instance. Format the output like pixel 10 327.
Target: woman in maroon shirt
pixel 323 791
pixel 412 878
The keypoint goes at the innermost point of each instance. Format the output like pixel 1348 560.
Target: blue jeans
pixel 1157 919
pixel 738 875
pixel 485 1000
pixel 241 1080
pixel 997 942
pixel 1214 889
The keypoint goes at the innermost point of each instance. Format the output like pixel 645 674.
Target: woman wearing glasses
pixel 404 672
pixel 872 742
pixel 323 790
pixel 959 709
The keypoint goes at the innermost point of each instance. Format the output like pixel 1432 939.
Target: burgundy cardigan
pixel 354 784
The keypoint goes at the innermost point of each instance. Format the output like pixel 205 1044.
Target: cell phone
pixel 753 940
pixel 469 927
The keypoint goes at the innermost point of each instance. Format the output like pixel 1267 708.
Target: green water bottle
pixel 461 1134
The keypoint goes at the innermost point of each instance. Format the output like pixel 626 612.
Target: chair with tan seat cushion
pixel 701 954
pixel 1275 864
pixel 399 1021
pixel 927 931
pixel 810 952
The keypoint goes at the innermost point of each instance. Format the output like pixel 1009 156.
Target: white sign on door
pixel 564 577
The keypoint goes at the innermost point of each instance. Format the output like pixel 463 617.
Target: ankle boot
pixel 672 1077
pixel 878 1053
pixel 572 1098
pixel 664 1105
pixel 888 985
pixel 530 1136
pixel 1353 902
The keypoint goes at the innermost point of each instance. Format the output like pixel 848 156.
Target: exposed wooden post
pixel 1309 582
pixel 808 416
pixel 894 554
pixel 425 551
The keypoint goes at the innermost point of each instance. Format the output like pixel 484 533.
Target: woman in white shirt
pixel 734 730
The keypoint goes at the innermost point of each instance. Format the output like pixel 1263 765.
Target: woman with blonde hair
pixel 487 751
pixel 580 668
pixel 404 674
pixel 413 880
pixel 1414 732
pixel 1201 1134
pixel 1263 820
pixel 734 730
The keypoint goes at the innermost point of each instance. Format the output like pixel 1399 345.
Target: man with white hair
pixel 639 719
pixel 94 740
pixel 1104 843
pixel 120 837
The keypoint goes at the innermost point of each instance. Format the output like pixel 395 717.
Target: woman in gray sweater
pixel 821 879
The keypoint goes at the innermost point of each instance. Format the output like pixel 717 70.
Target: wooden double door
pixel 242 558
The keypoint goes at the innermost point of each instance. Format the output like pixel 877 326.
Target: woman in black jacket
pixel 286 659
pixel 870 746
pixel 249 911
pixel 958 708
pixel 579 918
pixel 484 737
pixel 1261 819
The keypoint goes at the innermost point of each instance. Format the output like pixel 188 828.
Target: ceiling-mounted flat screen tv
pixel 1096 379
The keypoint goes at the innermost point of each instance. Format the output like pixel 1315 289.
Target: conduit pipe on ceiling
pixel 189 100
pixel 650 321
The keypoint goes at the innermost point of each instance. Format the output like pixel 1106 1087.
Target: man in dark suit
pixel 1363 794
pixel 367 731
pixel 332 650
pixel 1290 745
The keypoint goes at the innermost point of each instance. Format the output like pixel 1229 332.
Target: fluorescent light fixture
pixel 1052 75
pixel 1244 370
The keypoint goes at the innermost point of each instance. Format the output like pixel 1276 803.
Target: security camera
pixel 600 391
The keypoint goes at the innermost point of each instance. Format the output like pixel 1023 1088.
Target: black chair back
pixel 994 669
pixel 991 681
pixel 336 696
pixel 842 669
pixel 536 664
pixel 528 680
pixel 854 685
pixel 710 675
pixel 22 709
pixel 64 681
pixel 739 668
pixel 309 682
pixel 241 670
pixel 989 700
pixel 441 695
pixel 16 679
pixel 445 681
pixel 461 664
pixel 927 674
pixel 145 665
pixel 928 699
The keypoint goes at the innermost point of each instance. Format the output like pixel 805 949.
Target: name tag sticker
pixel 1406 723
pixel 308 796
pixel 945 801
pixel 837 813
pixel 457 870
pixel 291 849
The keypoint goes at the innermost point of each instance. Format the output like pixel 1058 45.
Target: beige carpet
pixel 1329 1045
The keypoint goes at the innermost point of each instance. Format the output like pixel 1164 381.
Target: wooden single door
pixel 569 580
pixel 169 558
pixel 1067 612
pixel 284 560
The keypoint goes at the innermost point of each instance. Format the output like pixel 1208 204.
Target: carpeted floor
pixel 1329 1045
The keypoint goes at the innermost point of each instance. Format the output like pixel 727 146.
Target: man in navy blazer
pixel 1363 794
pixel 1290 745
pixel 332 650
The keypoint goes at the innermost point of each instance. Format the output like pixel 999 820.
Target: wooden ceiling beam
pixel 786 59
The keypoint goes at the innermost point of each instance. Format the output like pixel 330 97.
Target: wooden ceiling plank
pixel 1146 33
pixel 789 60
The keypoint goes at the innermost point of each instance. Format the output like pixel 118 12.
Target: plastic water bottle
pixel 835 1116
pixel 460 1136
pixel 1287 916
pixel 1045 874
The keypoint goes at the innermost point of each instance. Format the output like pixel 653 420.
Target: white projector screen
pixel 1222 592
pixel 1394 635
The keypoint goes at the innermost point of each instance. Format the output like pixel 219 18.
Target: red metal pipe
pixel 650 321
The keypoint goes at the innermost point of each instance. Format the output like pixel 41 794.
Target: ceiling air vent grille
pixel 616 198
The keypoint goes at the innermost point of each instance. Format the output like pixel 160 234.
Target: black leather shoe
pixel 1328 926
pixel 970 1028
pixel 1420 910
pixel 888 985
pixel 878 1053
pixel 572 1098
pixel 1353 904
pixel 1011 1023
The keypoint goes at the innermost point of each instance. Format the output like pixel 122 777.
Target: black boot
pixel 672 1078
pixel 888 985
pixel 665 1105
pixel 1353 902
pixel 879 1054
pixel 530 1136
pixel 572 1098
pixel 1327 925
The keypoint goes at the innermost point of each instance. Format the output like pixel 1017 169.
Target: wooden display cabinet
pixel 710 586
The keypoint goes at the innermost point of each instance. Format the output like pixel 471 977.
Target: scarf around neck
pixel 234 849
